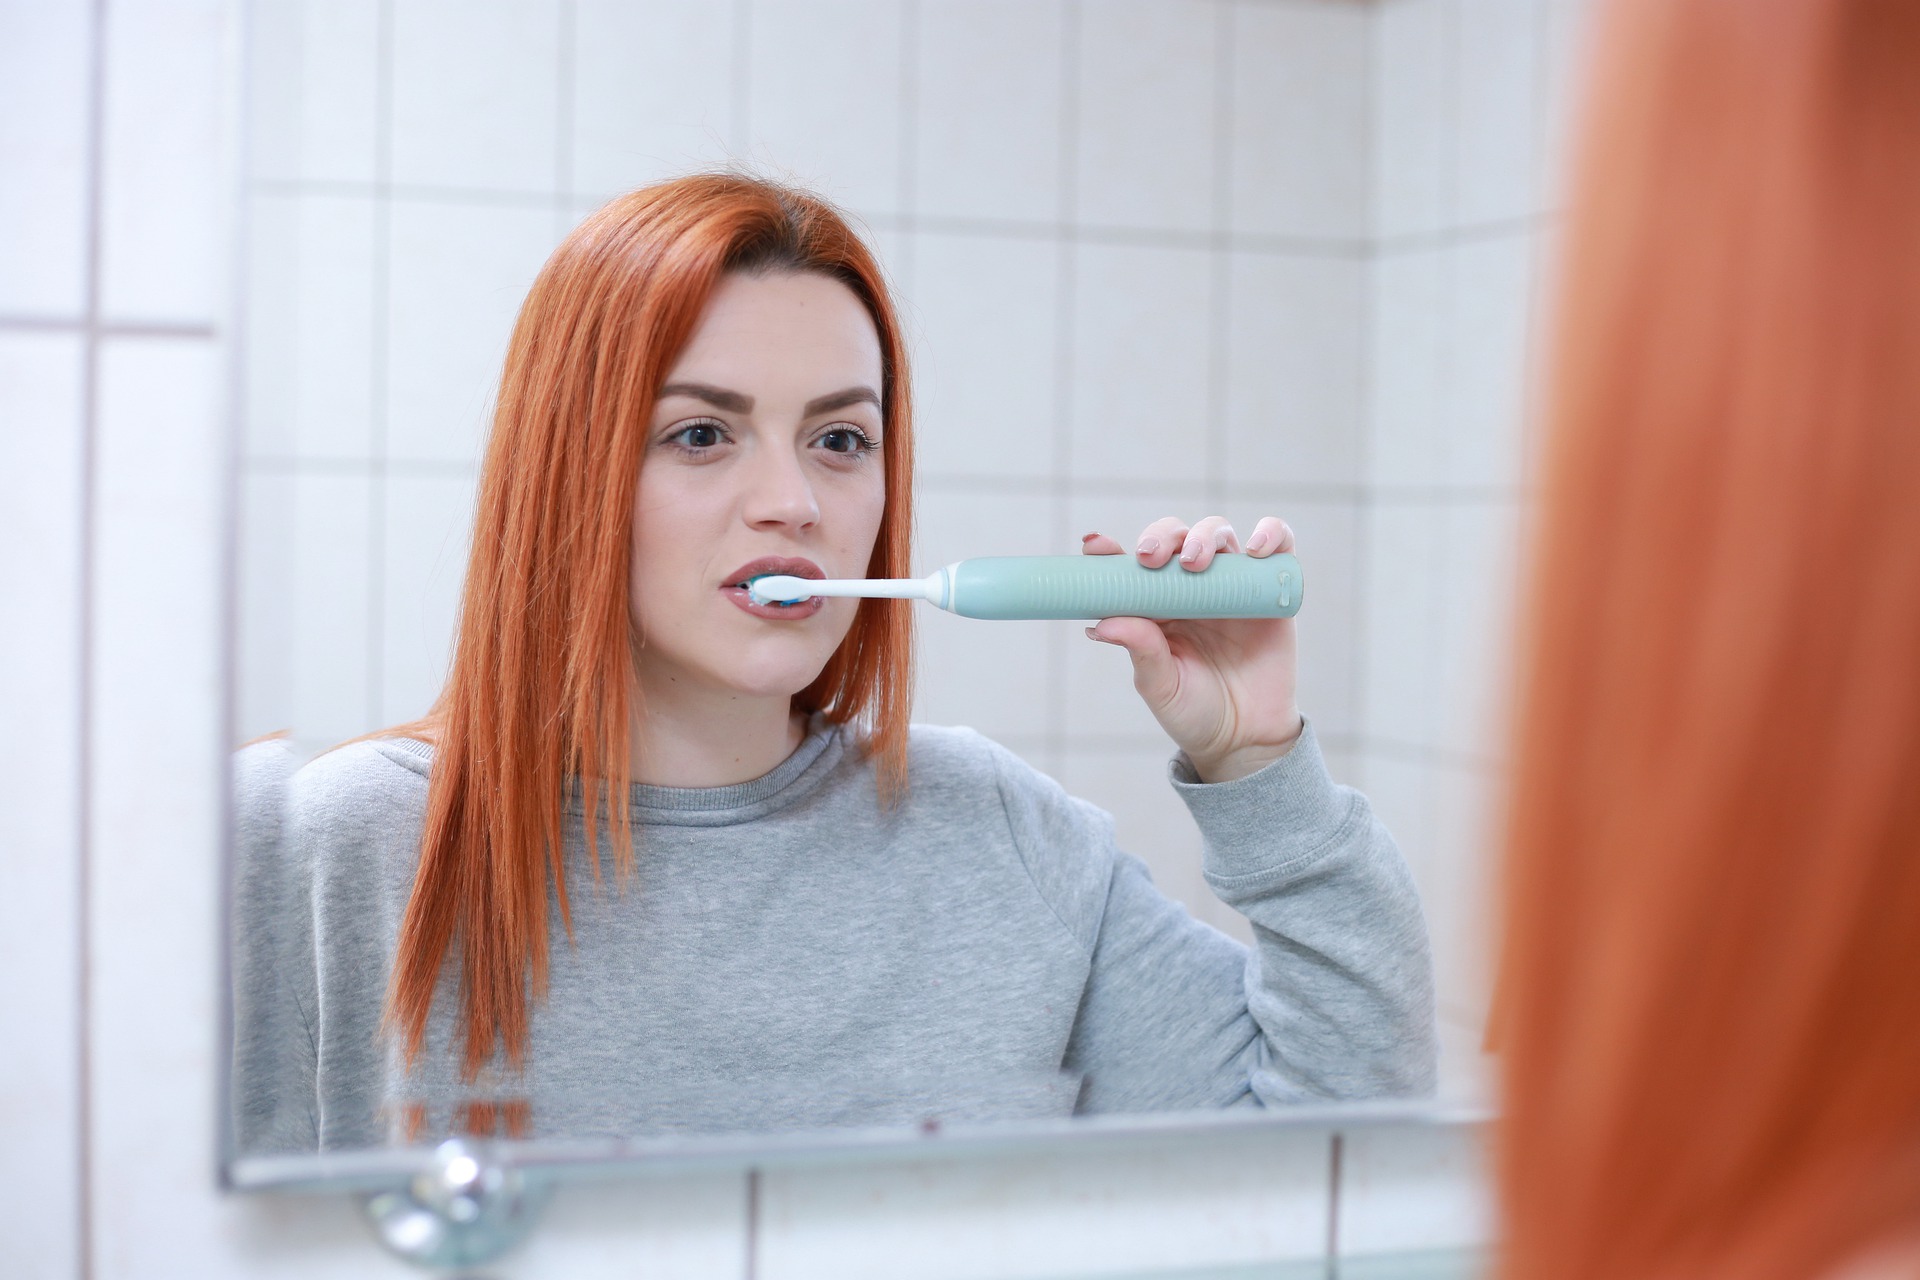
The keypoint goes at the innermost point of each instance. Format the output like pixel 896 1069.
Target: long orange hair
pixel 542 683
pixel 1710 992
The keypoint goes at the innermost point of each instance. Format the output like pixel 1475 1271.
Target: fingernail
pixel 1088 537
pixel 1093 633
pixel 1257 542
pixel 1148 546
pixel 1189 554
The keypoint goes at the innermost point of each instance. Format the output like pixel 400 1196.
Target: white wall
pixel 1190 175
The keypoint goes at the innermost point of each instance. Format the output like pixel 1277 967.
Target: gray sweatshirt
pixel 789 955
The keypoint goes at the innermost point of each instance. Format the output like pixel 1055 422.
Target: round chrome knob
pixel 465 1208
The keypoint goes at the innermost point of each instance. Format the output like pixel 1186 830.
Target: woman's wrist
pixel 1244 761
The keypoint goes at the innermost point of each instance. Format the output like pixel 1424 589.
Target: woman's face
pixel 763 456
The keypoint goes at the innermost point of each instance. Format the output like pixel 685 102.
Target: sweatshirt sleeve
pixel 1334 1001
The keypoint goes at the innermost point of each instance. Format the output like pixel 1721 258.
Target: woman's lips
pixel 775 612
pixel 791 566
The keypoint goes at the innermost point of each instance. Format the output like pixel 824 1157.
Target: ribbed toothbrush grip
pixel 1233 586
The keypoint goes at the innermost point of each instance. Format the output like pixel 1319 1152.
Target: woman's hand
pixel 1223 689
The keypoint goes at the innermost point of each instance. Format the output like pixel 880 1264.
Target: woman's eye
pixel 847 440
pixel 698 435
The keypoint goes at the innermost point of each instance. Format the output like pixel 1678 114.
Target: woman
pixel 817 916
pixel 1711 987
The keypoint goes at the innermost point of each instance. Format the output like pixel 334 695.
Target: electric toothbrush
pixel 1010 587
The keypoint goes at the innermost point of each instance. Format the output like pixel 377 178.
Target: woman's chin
pixel 770 675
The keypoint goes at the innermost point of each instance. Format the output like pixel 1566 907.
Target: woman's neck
pixel 688 738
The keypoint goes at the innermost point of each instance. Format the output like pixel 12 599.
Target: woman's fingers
pixel 1155 675
pixel 1161 541
pixel 1211 535
pixel 1270 537
pixel 1195 545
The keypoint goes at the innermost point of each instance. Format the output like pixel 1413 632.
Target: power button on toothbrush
pixel 1286 589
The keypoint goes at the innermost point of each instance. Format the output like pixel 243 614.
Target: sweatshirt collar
pixel 791 780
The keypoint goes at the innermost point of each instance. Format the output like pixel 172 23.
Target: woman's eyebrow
pixel 841 399
pixel 718 397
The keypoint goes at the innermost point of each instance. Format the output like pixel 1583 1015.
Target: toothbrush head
pixel 777 588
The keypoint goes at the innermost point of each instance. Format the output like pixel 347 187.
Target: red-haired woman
pixel 831 918
pixel 1712 979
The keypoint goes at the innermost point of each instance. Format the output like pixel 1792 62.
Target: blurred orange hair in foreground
pixel 1711 979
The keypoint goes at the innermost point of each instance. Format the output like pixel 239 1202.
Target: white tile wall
pixel 154 807
pixel 646 102
pixel 990 676
pixel 42 487
pixel 312 296
pixel 314 106
pixel 988 103
pixel 1413 1188
pixel 1092 1213
pixel 1141 363
pixel 476 94
pixel 426 531
pixel 824 85
pixel 1327 537
pixel 329 676
pixel 1300 114
pixel 1156 107
pixel 1407 368
pixel 1473 641
pixel 1145 110
pixel 1490 284
pixel 165 209
pixel 985 374
pixel 265 683
pixel 1464 815
pixel 1401 621
pixel 1412 108
pixel 1296 344
pixel 457 275
pixel 1496 97
pixel 43 143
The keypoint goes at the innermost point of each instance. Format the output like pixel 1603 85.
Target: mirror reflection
pixel 548 829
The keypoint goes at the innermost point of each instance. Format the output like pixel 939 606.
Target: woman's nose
pixel 779 492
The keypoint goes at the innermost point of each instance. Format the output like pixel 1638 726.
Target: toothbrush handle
pixel 1233 586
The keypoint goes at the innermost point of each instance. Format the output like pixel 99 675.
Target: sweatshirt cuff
pixel 1275 821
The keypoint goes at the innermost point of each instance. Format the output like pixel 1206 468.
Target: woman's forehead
pixel 782 329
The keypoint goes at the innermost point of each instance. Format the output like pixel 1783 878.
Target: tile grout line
pixel 1445 374
pixel 1219 259
pixel 106 328
pixel 1358 685
pixel 89 464
pixel 378 375
pixel 740 99
pixel 1065 332
pixel 1356 248
pixel 908 190
pixel 563 117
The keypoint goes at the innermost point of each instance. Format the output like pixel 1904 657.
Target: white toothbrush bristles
pixel 779 588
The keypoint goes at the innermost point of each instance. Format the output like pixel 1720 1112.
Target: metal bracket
pixel 467 1208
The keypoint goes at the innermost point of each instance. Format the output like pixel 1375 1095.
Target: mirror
pixel 1148 259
